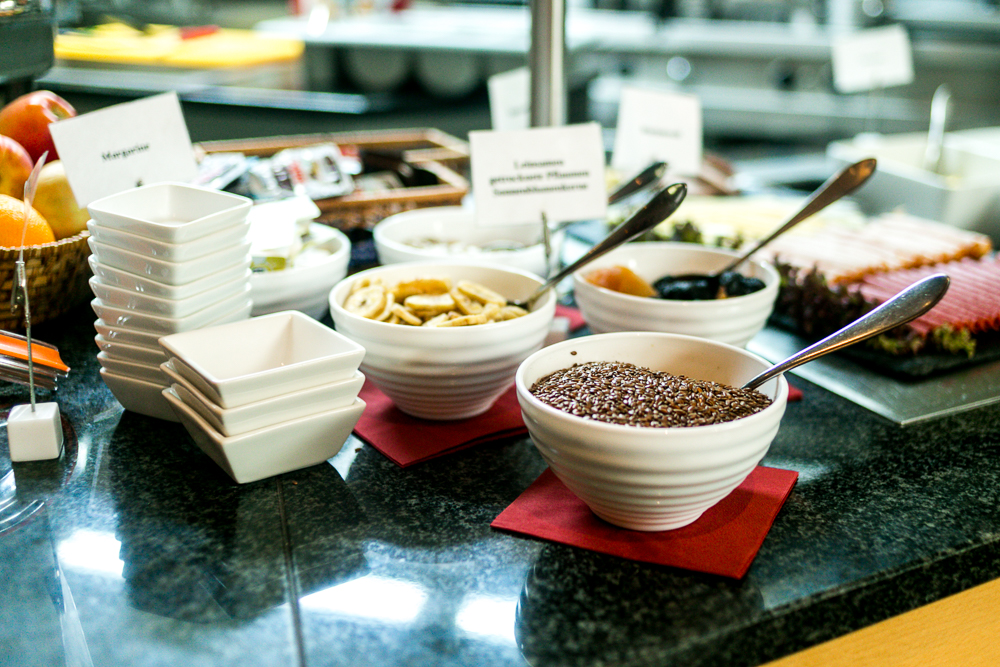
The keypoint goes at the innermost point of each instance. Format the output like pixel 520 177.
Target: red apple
pixel 27 120
pixel 15 167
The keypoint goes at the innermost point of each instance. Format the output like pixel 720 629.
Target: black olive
pixel 736 284
pixel 697 289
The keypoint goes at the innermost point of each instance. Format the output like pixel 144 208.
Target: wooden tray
pixel 434 151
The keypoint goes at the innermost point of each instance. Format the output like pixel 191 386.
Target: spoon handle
pixel 658 209
pixel 839 185
pixel 909 304
pixel 646 177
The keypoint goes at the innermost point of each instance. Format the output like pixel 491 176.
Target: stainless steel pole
pixel 547 58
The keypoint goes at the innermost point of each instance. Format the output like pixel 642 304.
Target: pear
pixel 55 201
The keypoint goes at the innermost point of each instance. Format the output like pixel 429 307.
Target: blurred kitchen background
pixel 762 68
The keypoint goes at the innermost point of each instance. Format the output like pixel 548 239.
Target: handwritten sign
pixel 510 100
pixel 521 175
pixel 658 125
pixel 124 146
pixel 871 59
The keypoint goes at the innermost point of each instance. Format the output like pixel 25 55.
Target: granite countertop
pixel 134 548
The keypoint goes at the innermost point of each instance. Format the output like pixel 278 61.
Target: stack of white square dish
pixel 167 258
pixel 267 395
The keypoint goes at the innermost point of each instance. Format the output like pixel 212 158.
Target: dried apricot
pixel 620 279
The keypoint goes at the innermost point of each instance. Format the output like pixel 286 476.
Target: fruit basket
pixel 440 156
pixel 56 274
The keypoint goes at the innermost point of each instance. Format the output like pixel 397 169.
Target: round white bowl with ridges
pixel 446 373
pixel 734 320
pixel 648 478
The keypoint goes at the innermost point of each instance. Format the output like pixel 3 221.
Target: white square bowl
pixel 172 273
pixel 139 396
pixel 263 357
pixel 111 276
pixel 117 297
pixel 170 252
pixel 133 369
pixel 277 449
pixel 270 411
pixel 143 354
pixel 170 212
pixel 965 195
pixel 163 325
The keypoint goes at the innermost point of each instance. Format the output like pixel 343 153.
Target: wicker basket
pixel 57 275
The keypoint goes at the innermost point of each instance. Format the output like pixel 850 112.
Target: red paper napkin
pixel 406 440
pixel 794 394
pixel 723 541
pixel 572 314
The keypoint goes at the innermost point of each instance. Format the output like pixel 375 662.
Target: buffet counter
pixel 135 548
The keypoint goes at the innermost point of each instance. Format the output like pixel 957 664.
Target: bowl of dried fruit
pixel 649 429
pixel 440 338
pixel 633 288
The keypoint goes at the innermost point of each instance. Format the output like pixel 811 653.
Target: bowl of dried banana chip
pixel 441 339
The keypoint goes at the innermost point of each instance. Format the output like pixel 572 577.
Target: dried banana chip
pixel 405 316
pixel 430 304
pixel 511 312
pixel 390 301
pixel 480 293
pixel 438 320
pixel 367 302
pixel 465 304
pixel 409 288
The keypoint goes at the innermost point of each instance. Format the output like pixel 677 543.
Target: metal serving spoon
pixel 656 210
pixel 640 181
pixel 844 182
pixel 909 304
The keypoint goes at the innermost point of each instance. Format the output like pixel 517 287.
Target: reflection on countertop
pixel 140 550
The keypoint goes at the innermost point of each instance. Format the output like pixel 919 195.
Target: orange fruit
pixel 620 279
pixel 12 225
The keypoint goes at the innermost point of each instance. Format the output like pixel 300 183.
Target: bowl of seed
pixel 441 338
pixel 649 429
pixel 635 288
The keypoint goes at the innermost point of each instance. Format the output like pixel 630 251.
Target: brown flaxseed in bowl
pixel 623 393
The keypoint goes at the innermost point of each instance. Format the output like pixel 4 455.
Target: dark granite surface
pixel 134 548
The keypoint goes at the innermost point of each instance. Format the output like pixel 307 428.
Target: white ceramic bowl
pixel 265 452
pixel 734 320
pixel 117 297
pixel 139 396
pixel 142 354
pixel 170 212
pixel 170 252
pixel 263 357
pixel 306 286
pixel 162 324
pixel 133 369
pixel 172 273
pixel 394 237
pixel 111 276
pixel 446 373
pixel 270 411
pixel 131 336
pixel 645 478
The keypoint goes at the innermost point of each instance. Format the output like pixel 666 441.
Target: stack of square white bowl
pixel 167 258
pixel 267 395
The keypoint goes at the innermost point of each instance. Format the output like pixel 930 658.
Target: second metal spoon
pixel 909 304
pixel 844 182
pixel 656 210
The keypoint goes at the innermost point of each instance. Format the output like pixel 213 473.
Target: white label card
pixel 521 175
pixel 123 146
pixel 510 100
pixel 873 58
pixel 655 125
